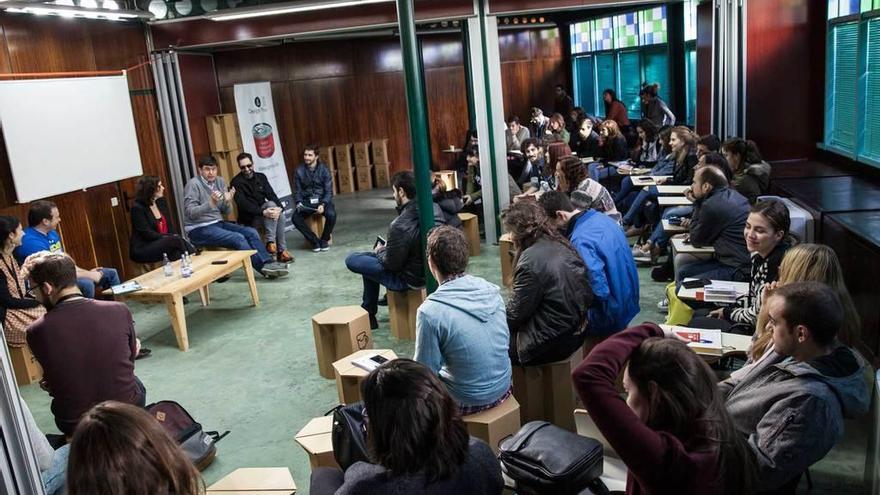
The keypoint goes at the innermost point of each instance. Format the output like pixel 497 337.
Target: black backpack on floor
pixel 198 445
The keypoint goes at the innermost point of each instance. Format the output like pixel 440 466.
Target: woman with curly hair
pixel 546 312
pixel 571 175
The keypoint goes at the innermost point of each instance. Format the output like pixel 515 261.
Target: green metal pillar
pixel 468 75
pixel 417 107
pixel 490 139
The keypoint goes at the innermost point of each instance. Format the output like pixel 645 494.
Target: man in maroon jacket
pixel 86 347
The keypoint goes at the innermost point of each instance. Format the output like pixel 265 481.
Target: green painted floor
pixel 253 370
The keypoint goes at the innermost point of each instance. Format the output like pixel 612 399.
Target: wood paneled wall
pixel 345 91
pixel 785 75
pixel 94 232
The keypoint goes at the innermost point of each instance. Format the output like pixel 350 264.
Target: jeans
pixel 109 278
pixel 232 236
pixel 686 266
pixel 626 186
pixel 598 172
pixel 660 237
pixel 368 265
pixel 274 227
pixel 635 210
pixel 299 221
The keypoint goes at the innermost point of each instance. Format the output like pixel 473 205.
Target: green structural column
pixel 418 121
pixel 468 75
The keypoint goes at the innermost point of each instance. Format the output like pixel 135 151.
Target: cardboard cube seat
pixel 315 439
pixel 340 331
pixel 494 425
pixel 471 225
pixel 315 223
pixel 25 366
pixel 506 250
pixel 546 393
pixel 268 481
pixel 402 307
pixel 349 376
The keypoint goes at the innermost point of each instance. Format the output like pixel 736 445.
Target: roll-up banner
pixel 260 138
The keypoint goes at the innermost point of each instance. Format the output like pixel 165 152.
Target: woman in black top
pixel 17 310
pixel 417 441
pixel 152 232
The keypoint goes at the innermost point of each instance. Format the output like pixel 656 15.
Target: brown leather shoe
pixel 270 246
pixel 285 257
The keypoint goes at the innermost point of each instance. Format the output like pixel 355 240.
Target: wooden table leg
pixel 205 294
pixel 174 303
pixel 249 271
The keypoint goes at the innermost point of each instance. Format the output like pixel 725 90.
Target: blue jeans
pixel 368 265
pixel 626 186
pixel 597 172
pixel 711 269
pixel 109 278
pixel 232 236
pixel 660 237
pixel 635 210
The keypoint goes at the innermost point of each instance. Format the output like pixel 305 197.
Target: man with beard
pixel 86 347
pixel 313 195
pixel 259 206
pixel 399 263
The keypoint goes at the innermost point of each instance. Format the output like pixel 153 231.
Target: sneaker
pixel 270 246
pixel 285 257
pixel 663 305
pixel 325 246
pixel 383 301
pixel 317 248
pixel 274 270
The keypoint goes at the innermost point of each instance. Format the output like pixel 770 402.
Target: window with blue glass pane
pixel 690 20
pixel 580 37
pixel 626 29
pixel 652 25
pixel 603 34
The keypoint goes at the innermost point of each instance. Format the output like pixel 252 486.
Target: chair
pixel 339 332
pixel 494 425
pixel 402 307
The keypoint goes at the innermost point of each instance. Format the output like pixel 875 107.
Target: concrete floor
pixel 253 371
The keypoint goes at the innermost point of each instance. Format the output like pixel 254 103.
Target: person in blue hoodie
pixel 461 329
pixel 610 265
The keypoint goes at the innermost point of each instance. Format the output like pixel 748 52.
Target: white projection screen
pixel 68 134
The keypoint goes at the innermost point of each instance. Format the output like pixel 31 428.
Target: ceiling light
pixel 23 7
pixel 289 8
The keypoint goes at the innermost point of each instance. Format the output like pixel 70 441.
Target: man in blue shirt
pixel 461 329
pixel 41 235
pixel 313 195
pixel 610 265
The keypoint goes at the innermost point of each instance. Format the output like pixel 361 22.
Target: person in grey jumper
pixel 791 405
pixel 461 329
pixel 205 201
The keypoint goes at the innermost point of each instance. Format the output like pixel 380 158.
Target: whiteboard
pixel 68 134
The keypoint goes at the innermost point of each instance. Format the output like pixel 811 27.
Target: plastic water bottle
pixel 185 269
pixel 168 268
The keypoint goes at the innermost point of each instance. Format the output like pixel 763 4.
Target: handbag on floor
pixel 198 445
pixel 349 434
pixel 544 458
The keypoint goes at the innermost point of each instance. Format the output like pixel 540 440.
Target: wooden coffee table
pixel 157 288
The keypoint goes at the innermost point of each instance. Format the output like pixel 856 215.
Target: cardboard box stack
pixel 224 140
pixel 362 166
pixel 325 156
pixel 381 165
pixel 342 154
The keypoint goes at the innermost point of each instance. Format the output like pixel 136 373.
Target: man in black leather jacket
pixel 398 264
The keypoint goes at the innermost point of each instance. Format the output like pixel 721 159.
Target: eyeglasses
pixel 242 167
pixel 30 291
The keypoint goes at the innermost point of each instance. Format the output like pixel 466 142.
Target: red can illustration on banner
pixel 264 140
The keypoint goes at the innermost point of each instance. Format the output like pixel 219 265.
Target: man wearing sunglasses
pixel 259 206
